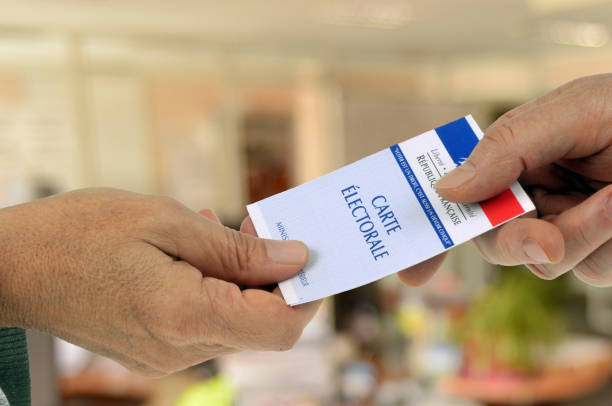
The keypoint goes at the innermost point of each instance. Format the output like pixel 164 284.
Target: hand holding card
pixel 381 214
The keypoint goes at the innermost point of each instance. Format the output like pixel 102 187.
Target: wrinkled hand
pixel 144 280
pixel 559 147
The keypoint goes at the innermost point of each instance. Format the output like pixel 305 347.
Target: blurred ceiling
pixel 338 27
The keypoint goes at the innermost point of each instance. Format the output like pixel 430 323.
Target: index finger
pixel 254 319
pixel 266 321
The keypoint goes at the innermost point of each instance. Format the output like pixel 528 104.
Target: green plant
pixel 507 325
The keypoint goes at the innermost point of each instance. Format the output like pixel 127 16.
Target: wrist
pixel 12 312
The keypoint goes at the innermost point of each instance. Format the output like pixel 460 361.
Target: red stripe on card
pixel 501 208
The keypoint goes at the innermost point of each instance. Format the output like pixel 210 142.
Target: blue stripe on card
pixel 431 214
pixel 458 139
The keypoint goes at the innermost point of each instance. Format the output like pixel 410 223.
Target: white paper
pixel 381 214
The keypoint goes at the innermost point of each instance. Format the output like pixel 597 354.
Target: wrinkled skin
pixel 144 280
pixel 560 147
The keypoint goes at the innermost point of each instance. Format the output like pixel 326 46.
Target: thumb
pixel 233 256
pixel 539 135
pixel 246 259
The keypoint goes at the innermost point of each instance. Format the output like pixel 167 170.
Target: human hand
pixel 144 280
pixel 560 148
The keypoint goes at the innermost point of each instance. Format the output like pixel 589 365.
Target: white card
pixel 381 214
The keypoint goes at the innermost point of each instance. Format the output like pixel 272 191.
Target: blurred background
pixel 219 104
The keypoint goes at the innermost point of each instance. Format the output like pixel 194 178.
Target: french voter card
pixel 381 214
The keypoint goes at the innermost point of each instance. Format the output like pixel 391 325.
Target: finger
pixel 309 308
pixel 597 166
pixel 216 312
pixel 247 226
pixel 270 316
pixel 277 291
pixel 420 273
pixel 548 204
pixel 585 228
pixel 549 177
pixel 210 214
pixel 559 177
pixel 522 241
pixel 523 142
pixel 596 269
pixel 548 97
pixel 228 254
pixel 253 319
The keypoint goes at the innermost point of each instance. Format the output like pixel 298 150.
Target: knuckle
pixel 588 231
pixel 604 218
pixel 499 140
pixel 507 251
pixel 165 204
pixel 223 304
pixel 190 321
pixel 589 267
pixel 481 244
pixel 292 332
pixel 169 321
pixel 582 234
pixel 500 136
pixel 160 358
pixel 155 369
pixel 144 368
pixel 166 367
pixel 149 372
pixel 290 339
pixel 592 271
pixel 151 211
pixel 505 247
pixel 281 333
pixel 506 116
pixel 244 252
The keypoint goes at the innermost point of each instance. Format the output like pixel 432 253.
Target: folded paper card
pixel 381 214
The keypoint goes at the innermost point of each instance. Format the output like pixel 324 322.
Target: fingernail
pixel 534 252
pixel 286 252
pixel 457 177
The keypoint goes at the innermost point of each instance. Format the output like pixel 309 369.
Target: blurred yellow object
pixel 411 320
pixel 216 391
